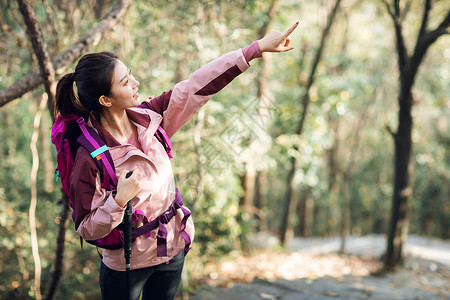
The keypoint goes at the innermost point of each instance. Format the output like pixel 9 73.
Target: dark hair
pixel 93 78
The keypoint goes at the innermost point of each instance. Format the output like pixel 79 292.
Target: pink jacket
pixel 96 212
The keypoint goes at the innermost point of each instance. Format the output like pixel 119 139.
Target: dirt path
pixel 311 270
pixel 374 246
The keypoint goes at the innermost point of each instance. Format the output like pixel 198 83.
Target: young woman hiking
pixel 107 97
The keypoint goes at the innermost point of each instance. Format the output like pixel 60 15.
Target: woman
pixel 108 98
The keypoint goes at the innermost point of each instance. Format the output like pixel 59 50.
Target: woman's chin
pixel 137 100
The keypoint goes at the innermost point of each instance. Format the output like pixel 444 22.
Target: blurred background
pixel 300 146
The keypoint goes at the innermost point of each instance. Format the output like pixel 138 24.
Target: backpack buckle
pixel 80 121
pixel 164 217
pixel 96 153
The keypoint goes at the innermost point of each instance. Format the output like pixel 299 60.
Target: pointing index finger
pixel 289 31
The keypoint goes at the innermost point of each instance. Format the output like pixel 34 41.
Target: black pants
pixel 157 282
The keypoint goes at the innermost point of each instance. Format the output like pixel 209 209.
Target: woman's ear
pixel 105 101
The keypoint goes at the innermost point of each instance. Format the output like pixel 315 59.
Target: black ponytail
pixel 93 78
pixel 66 101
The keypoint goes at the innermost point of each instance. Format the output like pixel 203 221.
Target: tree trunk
pixel 197 139
pixel 262 83
pixel 305 209
pixel 248 181
pixel 260 198
pixel 242 180
pixel 60 246
pixel 408 67
pixel 305 102
pixel 263 112
pixel 399 223
pixel 345 213
pixel 288 200
pixel 333 171
pixel 46 75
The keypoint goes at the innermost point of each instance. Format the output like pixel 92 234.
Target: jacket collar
pixel 135 116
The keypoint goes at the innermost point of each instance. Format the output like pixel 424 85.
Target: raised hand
pixel 276 41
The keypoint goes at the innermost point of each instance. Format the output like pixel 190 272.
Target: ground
pixel 311 269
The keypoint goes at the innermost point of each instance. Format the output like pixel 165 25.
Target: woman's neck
pixel 117 124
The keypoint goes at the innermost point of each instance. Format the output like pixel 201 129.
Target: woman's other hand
pixel 276 41
pixel 127 188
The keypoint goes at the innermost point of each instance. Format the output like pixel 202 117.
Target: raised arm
pixel 180 104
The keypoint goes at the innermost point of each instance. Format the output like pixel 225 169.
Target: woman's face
pixel 124 89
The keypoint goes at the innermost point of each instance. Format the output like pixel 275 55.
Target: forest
pixel 346 135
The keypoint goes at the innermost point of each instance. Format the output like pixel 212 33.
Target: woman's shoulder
pixel 83 160
pixel 144 115
pixel 157 104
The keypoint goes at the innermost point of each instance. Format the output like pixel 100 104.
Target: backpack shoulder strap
pixel 98 150
pixel 164 139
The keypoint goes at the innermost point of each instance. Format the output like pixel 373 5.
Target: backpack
pixel 71 132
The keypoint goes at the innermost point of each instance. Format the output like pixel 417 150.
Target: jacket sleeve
pixel 96 213
pixel 180 104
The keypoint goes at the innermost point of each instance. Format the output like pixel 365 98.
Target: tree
pixel 305 102
pixel 252 200
pixel 408 66
pixel 46 75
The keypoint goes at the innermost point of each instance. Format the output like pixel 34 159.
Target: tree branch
pixel 317 58
pixel 423 43
pixel 33 201
pixel 391 132
pixel 400 41
pixel 397 8
pixel 423 26
pixel 40 49
pixel 273 8
pixel 33 79
pixel 389 10
pixel 396 18
pixel 440 30
pixel 429 38
pixel 406 9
